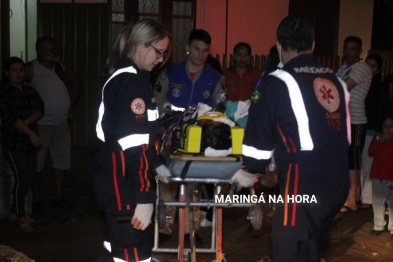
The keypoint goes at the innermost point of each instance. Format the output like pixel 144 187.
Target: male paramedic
pixel 181 86
pixel 302 111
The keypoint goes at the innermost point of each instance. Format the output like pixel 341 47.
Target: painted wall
pixel 356 18
pixel 17 29
pixel 19 45
pixel 255 22
pixel 31 28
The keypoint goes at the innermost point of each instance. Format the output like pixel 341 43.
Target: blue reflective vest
pixel 183 92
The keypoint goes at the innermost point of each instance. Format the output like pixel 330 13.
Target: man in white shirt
pixel 357 75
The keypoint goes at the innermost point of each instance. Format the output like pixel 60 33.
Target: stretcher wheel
pixel 255 217
pixel 161 210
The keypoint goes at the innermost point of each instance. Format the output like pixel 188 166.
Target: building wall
pixel 255 22
pixel 31 28
pixel 356 18
pixel 17 30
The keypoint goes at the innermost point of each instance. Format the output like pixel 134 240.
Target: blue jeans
pixel 382 194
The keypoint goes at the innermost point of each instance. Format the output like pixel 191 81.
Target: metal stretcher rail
pixel 185 200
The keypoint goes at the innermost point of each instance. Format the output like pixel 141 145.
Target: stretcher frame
pixel 185 200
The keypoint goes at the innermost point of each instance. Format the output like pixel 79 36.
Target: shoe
pixel 198 239
pixel 347 209
pixel 24 224
pixel 377 232
pixel 205 223
pixel 391 237
pixel 37 207
pixel 163 237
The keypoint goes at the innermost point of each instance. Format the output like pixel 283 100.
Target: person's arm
pixel 33 118
pixel 219 98
pixel 160 91
pixel 359 73
pixel 350 83
pixel 76 83
pixel 34 138
pixel 39 106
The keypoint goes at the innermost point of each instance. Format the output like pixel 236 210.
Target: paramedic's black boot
pixel 198 239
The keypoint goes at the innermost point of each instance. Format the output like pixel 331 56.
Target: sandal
pixel 364 206
pixel 26 227
pixel 29 219
pixel 24 224
pixel 347 209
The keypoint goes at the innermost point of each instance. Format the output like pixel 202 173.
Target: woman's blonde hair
pixel 145 31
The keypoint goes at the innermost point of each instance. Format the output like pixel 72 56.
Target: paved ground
pixel 76 234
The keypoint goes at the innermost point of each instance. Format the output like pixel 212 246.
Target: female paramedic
pixel 128 124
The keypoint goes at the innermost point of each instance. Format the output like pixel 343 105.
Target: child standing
pixel 381 148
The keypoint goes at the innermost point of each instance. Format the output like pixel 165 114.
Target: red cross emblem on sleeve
pixel 327 94
pixel 138 106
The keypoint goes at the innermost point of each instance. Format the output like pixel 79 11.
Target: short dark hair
pixel 7 64
pixel 295 33
pixel 200 35
pixel 40 43
pixel 273 50
pixel 377 58
pixel 355 39
pixel 238 45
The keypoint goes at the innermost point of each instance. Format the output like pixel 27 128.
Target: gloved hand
pixel 163 173
pixel 243 178
pixel 142 216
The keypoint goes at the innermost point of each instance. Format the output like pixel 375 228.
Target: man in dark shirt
pixel 300 110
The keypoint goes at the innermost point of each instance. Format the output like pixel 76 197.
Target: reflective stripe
pixel 174 108
pixel 133 140
pixel 101 110
pixel 347 95
pixel 306 143
pixel 107 246
pixel 152 115
pixel 118 259
pixel 255 153
pixel 121 260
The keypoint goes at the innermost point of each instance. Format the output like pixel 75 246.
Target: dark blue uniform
pixel 302 112
pixel 128 126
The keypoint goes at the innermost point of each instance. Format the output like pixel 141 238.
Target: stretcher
pixel 187 169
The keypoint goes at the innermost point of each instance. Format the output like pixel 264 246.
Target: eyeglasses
pixel 159 53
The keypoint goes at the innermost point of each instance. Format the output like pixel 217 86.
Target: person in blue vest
pixel 191 81
pixel 300 111
pixel 181 86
